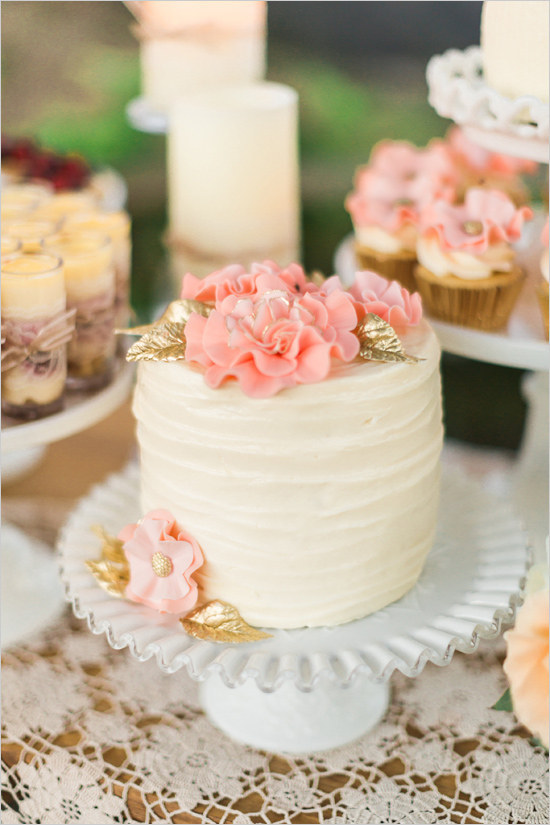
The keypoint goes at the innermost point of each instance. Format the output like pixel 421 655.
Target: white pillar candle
pixel 90 287
pixel 233 177
pixel 194 44
pixel 33 296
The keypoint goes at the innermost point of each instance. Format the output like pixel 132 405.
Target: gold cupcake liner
pixel 483 304
pixel 397 267
pixel 542 295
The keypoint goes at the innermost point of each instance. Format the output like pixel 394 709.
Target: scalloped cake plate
pixel 469 589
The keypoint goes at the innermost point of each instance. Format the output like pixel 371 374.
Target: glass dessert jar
pixel 36 329
pixel 90 287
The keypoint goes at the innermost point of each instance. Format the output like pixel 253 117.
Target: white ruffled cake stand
pixel 316 688
pixel 31 592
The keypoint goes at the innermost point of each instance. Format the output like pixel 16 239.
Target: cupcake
pixel 542 289
pixel 389 195
pixel 467 271
pixel 479 167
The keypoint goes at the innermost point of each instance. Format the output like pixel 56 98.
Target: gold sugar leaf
pixel 379 342
pixel 165 342
pixel 111 570
pixel 177 312
pixel 218 621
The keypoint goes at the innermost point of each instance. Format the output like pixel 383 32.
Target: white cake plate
pixel 142 117
pixel 31 592
pixel 457 90
pixel 316 688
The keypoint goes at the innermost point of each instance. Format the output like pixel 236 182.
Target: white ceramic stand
pixel 143 118
pixel 32 595
pixel 316 688
pixel 324 718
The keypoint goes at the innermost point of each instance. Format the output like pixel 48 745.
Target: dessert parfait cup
pixel 35 333
pixel 90 286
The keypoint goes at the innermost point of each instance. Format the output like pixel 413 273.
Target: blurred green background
pixel 70 68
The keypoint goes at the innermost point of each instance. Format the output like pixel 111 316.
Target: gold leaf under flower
pixel 379 341
pixel 177 312
pixel 165 342
pixel 317 278
pixel 218 621
pixel 111 570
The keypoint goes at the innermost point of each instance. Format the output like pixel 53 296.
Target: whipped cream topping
pixel 374 237
pixel 469 267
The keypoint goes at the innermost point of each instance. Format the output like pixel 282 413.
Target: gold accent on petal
pixel 317 278
pixel 161 564
pixel 218 621
pixel 111 570
pixel 472 227
pixel 177 312
pixel 165 342
pixel 379 342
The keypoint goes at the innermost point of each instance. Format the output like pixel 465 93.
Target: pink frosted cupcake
pixel 389 196
pixel 467 271
pixel 479 167
pixel 542 289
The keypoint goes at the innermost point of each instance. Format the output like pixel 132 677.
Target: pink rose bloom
pixel 526 664
pixel 481 160
pixel 274 341
pixel 399 159
pixel 235 280
pixel 387 299
pixel 486 217
pixel 162 559
pixel 399 181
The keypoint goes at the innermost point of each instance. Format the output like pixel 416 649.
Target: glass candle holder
pixel 66 203
pixel 22 198
pixel 9 246
pixel 90 287
pixel 31 233
pixel 117 226
pixel 35 329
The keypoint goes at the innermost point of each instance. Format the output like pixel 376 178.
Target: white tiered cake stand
pixel 317 688
pixel 31 591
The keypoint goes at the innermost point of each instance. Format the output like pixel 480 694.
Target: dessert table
pixel 90 735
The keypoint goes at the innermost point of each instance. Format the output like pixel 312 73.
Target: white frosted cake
pixel 515 45
pixel 315 504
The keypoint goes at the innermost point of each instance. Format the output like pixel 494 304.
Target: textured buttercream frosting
pixel 314 507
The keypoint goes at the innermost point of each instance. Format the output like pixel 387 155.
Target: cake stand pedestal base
pixel 291 721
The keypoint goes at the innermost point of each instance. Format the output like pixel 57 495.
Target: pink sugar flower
pixel 162 559
pixel 400 160
pixel 481 160
pixel 486 217
pixel 235 280
pixel 387 299
pixel 274 341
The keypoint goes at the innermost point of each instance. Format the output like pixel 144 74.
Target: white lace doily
pixel 457 91
pixel 92 736
pixel 468 589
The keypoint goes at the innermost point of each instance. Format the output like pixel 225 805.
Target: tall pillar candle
pixel 233 178
pixel 90 286
pixel 191 45
pixel 35 328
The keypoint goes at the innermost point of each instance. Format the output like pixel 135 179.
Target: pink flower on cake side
pixel 486 217
pixel 162 558
pixel 235 280
pixel 387 299
pixel 274 341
